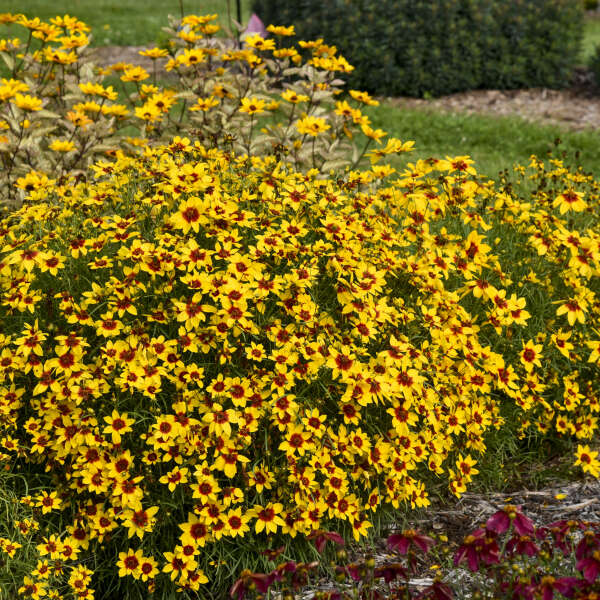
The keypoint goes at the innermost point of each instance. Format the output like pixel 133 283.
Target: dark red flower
pixel 242 586
pixel 479 546
pixel 390 572
pixel 589 566
pixel 322 537
pixel 501 521
pixel 401 542
pixel 522 544
pixel 436 591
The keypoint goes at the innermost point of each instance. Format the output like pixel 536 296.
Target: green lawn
pixel 495 143
pixel 123 22
pixel 591 38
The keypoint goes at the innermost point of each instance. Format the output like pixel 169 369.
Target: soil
pixel 569 500
pixel 576 108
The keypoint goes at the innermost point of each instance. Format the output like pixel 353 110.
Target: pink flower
pixel 255 25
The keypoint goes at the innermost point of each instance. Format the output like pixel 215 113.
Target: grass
pixel 495 143
pixel 119 23
pixel 591 38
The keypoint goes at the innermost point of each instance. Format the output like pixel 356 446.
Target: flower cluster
pixel 199 347
pixel 57 113
pixel 513 559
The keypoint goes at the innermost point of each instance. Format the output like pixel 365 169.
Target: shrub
pixel 445 46
pixel 203 352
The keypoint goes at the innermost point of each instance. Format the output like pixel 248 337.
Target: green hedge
pixel 418 47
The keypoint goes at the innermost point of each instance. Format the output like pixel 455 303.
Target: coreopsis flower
pixel 587 460
pixel 501 521
pixel 129 563
pixel 575 309
pixel 478 547
pixel 191 214
pixel 402 542
pixel 48 502
pixel 570 200
pixel 531 355
pixel 117 425
pixel 268 517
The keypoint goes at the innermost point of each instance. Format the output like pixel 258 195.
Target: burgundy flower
pixel 522 544
pixel 390 572
pixel 322 537
pixel 590 566
pixel 436 591
pixel 401 542
pixel 589 543
pixel 501 521
pixel 567 586
pixel 241 587
pixel 559 530
pixel 548 585
pixel 481 545
pixel 286 567
pixel 273 554
pixel 354 570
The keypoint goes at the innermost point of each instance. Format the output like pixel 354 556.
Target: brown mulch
pixel 575 109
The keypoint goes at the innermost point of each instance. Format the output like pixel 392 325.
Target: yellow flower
pixel 586 458
pixel 293 97
pixel 268 518
pixel 154 53
pixel 62 146
pixel 374 134
pixel 252 106
pixel 570 200
pixel 134 73
pixel 204 104
pixel 312 126
pixel 129 563
pixel 363 97
pixel 27 102
pixel 280 30
pixel 118 424
pixel 258 42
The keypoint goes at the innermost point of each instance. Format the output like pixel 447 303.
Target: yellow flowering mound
pixel 203 354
